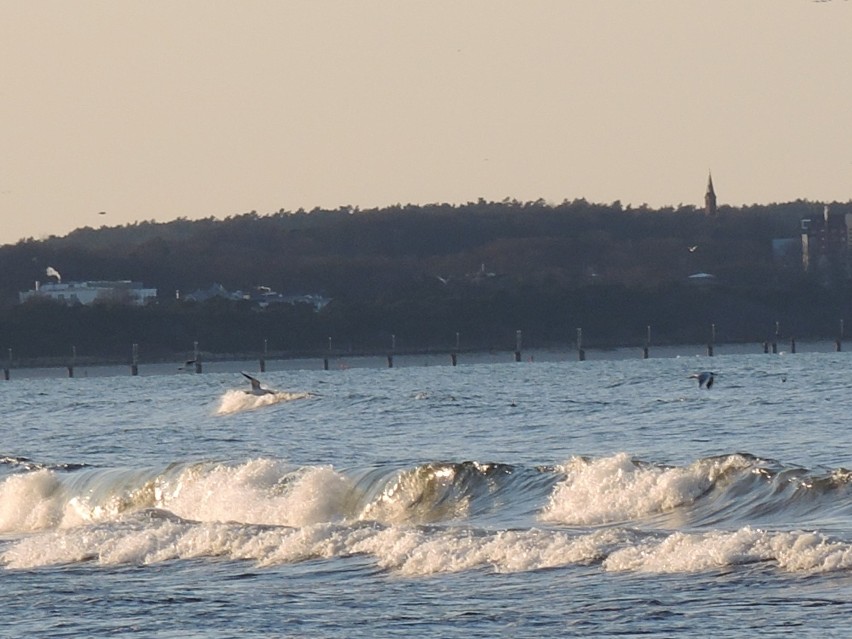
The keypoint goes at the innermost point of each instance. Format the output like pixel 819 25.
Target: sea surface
pixel 543 498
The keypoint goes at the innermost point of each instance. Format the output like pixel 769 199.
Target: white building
pixel 121 291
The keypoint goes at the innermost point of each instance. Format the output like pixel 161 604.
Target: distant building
pixel 825 241
pixel 710 197
pixel 259 296
pixel 213 291
pixel 86 293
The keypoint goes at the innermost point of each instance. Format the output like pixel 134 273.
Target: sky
pixel 116 111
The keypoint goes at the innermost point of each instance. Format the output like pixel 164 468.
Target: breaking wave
pixel 235 401
pixel 617 513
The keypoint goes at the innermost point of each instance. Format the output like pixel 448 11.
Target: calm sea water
pixel 534 499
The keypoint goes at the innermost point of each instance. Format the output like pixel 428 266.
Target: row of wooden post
pixel 768 347
pixel 772 347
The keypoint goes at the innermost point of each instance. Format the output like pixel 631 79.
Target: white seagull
pixel 256 388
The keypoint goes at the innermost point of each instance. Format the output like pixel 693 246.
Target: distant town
pixel 437 276
pixel 136 294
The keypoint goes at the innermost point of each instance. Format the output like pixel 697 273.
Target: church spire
pixel 710 197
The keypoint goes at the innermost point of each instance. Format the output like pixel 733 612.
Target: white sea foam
pixel 401 549
pixel 683 552
pixel 31 501
pixel 260 491
pixel 616 489
pixel 46 499
pixel 416 551
pixel 235 401
pixel 269 512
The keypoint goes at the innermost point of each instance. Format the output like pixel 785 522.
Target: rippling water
pixel 545 498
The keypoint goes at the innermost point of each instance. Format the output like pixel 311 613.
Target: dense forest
pixel 431 275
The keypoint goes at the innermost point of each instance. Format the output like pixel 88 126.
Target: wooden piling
pixel 581 353
pixel 454 356
pixel 518 339
pixel 646 352
pixel 73 361
pixel 7 371
pixel 838 343
pixel 712 342
pixel 326 358
pixel 134 360
pixel 777 337
pixel 793 345
pixel 263 357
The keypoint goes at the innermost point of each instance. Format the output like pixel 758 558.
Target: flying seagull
pixel 705 379
pixel 256 388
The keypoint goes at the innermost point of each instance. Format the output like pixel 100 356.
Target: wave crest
pixel 235 401
pixel 419 551
pixel 618 488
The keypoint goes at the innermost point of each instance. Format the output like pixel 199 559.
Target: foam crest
pixel 403 550
pixel 684 553
pixel 31 501
pixel 417 552
pixel 235 401
pixel 261 491
pixel 615 489
pixel 108 544
pixel 151 537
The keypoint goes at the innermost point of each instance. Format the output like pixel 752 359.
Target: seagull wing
pixel 255 384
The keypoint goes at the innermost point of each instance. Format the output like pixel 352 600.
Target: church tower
pixel 710 197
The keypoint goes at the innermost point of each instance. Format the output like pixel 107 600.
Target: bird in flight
pixel 256 388
pixel 705 379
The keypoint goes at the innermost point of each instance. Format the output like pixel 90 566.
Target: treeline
pixel 425 273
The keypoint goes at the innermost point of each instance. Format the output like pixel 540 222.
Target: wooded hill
pixel 425 273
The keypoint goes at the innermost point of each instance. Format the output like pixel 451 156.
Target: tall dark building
pixel 825 242
pixel 710 197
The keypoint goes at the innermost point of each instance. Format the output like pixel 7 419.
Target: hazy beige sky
pixel 161 109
